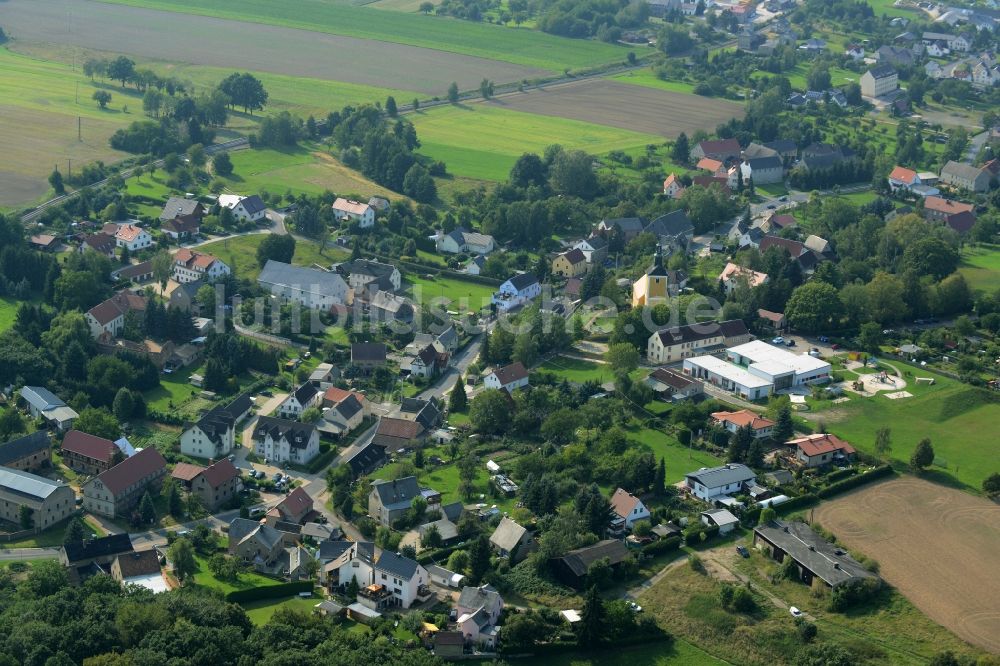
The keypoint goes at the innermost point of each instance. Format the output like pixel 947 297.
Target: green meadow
pixel 959 420
pixel 484 142
pixel 521 46
pixel 473 296
pixel 648 79
pixel 240 252
pixel 981 266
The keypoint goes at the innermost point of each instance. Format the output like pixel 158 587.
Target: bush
pixel 851 593
pixel 807 631
pixel 667 545
pixel 795 503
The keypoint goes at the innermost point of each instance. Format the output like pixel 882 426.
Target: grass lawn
pixel 648 79
pixel 954 416
pixel 462 296
pixel 798 75
pixel 677 459
pixel 302 170
pixel 888 8
pixel 50 538
pixel 484 142
pixel 653 654
pixel 772 190
pixel 580 371
pixel 247 580
pixel 521 46
pixel 980 266
pixel 240 252
pixel 8 312
pixel 860 198
pixel 261 611
pixel 173 391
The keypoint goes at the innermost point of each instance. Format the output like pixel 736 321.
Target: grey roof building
pixel 48 501
pixel 389 500
pixel 815 556
pixel 714 477
pixel 26 452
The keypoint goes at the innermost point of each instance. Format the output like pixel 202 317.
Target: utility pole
pixel 69 167
pixel 77 92
pixel 79 128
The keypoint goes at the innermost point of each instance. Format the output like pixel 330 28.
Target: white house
pixel 404 578
pixel 901 178
pixel 191 266
pixel 348 209
pixel 132 237
pixel 477 612
pixel 462 240
pixel 628 508
pixel 214 434
pixel 517 291
pixel 315 289
pixel 595 249
pixel 879 80
pixel 711 482
pixel 247 209
pixel 733 276
pixel 475 265
pixel 300 400
pixel 280 440
pixel 510 377
pixel 108 317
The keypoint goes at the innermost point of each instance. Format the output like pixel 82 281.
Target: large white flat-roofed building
pixel 756 369
pixel 782 367
pixel 717 372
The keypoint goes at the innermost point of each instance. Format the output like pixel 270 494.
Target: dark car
pixel 742 551
pixel 789 343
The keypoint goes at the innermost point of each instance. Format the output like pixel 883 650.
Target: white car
pixel 636 608
pixel 795 611
pixel 778 340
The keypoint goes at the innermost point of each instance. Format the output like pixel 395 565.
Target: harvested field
pixel 149 33
pixel 631 107
pixel 939 546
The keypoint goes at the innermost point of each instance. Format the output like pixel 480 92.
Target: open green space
pixel 8 312
pixel 296 94
pixel 484 142
pixel 798 75
pixel 302 170
pixel 462 296
pixel 247 579
pixel 240 253
pixel 956 417
pixel 888 8
pixel 580 371
pixel 261 611
pixel 648 79
pixel 980 266
pixel 654 654
pixel 521 46
pixel 41 104
pixel 677 459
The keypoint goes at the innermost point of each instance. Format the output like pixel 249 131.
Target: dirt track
pixel 626 106
pixel 940 547
pixel 176 37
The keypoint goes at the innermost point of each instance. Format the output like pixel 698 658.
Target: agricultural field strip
pixel 227 43
pixel 525 47
pixel 616 103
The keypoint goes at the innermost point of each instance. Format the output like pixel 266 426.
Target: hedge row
pixel 854 481
pixel 840 475
pixel 662 546
pixel 796 503
pixel 438 270
pixel 270 591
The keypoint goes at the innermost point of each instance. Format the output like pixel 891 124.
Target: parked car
pixel 276 477
pixel 636 608
pixel 789 343
pixel 742 551
pixel 778 340
pixel 795 611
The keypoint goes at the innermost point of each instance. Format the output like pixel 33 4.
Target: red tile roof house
pixel 957 215
pixel 294 508
pixel 628 508
pixel 88 454
pixel 820 449
pixel 902 178
pixel 115 492
pixel 733 421
pixel 107 319
pixel 509 377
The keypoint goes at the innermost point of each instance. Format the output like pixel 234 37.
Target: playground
pixel 869 383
